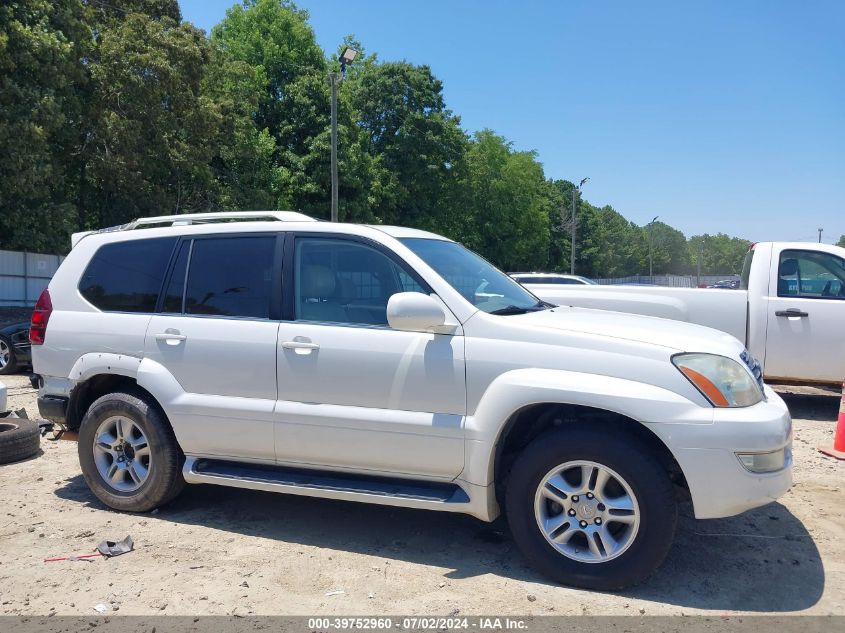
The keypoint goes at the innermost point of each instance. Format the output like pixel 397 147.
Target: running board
pixel 408 493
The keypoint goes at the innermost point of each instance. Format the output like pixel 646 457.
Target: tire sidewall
pixel 21 442
pixel 631 460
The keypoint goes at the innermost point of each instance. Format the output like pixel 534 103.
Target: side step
pixel 331 485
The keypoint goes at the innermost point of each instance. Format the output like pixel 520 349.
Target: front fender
pixel 520 388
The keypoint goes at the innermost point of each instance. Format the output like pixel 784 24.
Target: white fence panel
pixel 24 275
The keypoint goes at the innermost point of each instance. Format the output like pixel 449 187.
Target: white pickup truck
pixel 790 311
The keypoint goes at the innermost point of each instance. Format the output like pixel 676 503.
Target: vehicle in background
pixel 15 349
pixel 791 315
pixel 390 365
pixel 552 278
pixel 728 284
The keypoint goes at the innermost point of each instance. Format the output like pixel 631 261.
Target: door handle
pixel 300 345
pixel 171 337
pixel 792 312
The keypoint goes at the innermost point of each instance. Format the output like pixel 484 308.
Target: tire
pixel 635 480
pixel 136 447
pixel 8 360
pixel 19 438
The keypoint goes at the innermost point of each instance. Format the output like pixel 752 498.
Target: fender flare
pixel 148 374
pixel 654 407
pixel 89 365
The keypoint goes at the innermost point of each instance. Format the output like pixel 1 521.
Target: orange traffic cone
pixel 838 450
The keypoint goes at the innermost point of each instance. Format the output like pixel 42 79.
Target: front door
pixel 214 336
pixel 354 393
pixel 806 316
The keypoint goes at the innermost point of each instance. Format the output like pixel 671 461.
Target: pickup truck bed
pixel 790 312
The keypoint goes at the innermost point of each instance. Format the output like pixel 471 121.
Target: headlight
pixel 723 381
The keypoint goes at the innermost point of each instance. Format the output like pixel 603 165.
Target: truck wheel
pixel 128 453
pixel 590 508
pixel 19 439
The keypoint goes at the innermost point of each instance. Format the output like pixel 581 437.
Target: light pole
pixel 576 191
pixel 346 57
pixel 651 247
pixel 820 234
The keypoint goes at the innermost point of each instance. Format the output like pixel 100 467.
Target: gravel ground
pixel 230 552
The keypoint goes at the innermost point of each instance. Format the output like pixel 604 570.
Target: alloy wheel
pixel 587 511
pixel 122 454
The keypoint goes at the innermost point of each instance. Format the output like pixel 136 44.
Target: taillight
pixel 40 318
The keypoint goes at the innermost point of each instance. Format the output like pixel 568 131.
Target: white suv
pixel 393 366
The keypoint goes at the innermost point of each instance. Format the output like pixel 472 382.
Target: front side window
pixel 127 276
pixel 227 276
pixel 811 274
pixel 342 281
pixel 480 283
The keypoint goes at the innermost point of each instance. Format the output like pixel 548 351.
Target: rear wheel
pixel 591 508
pixel 128 453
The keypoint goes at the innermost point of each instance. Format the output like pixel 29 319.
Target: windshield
pixel 481 283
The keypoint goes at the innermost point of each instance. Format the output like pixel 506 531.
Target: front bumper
pixel 720 486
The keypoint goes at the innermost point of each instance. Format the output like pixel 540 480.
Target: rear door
pixel 215 333
pixel 806 313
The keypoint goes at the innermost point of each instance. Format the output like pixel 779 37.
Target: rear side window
pixel 229 277
pixel 127 276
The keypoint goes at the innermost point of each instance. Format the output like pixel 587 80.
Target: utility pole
pixel 574 228
pixel 651 247
pixel 346 58
pixel 576 192
pixel 700 255
pixel 333 77
pixel 820 234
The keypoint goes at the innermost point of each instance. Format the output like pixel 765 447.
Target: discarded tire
pixel 19 439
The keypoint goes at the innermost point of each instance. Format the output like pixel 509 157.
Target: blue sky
pixel 717 116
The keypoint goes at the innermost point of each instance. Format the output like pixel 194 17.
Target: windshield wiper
pixel 509 310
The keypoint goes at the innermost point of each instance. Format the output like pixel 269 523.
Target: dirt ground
pixel 231 552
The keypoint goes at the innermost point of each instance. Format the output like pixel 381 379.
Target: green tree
pixel 150 134
pixel 38 73
pixel 611 246
pixel 670 254
pixel 720 254
pixel 503 212
pixel 274 39
pixel 416 142
pixel 841 241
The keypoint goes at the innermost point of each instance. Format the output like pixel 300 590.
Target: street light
pixel 650 247
pixel 575 223
pixel 346 57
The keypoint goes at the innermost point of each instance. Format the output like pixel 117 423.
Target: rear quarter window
pixel 127 276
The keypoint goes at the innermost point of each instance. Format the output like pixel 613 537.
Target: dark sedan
pixel 15 351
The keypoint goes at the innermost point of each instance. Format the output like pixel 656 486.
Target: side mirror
pixel 414 312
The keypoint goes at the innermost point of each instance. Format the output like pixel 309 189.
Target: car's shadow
pixel 763 560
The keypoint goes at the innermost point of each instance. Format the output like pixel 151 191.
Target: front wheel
pixel 590 508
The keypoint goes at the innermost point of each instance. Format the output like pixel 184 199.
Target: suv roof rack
pixel 198 218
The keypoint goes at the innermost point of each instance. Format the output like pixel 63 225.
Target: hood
pixel 677 335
